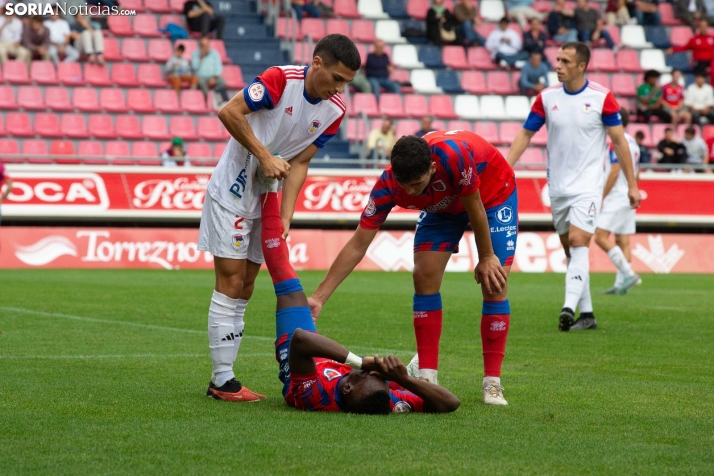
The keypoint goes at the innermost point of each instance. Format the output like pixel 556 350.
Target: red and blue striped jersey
pixel 465 162
pixel 319 391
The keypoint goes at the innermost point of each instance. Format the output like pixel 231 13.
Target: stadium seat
pixel 429 55
pixel 47 125
pixel 362 30
pixel 424 81
pixel 119 25
pixel 633 128
pixel 449 82
pixel 402 77
pixel 189 45
pixel 654 59
pixel 602 59
pixel 302 53
pixel 198 150
pixel 614 32
pixel 633 36
pixel 101 126
pixel 485 29
pixel 146 153
pixel 15 72
pixel 344 9
pixel 134 49
pixel 193 102
pixel 127 127
pixel 467 107
pixel 145 26
pixel 492 10
pixel 36 150
pixel 551 53
pixel 532 156
pixel 492 107
pixel 355 130
pixel 28 98
pixel 111 50
pixel 628 61
pixel 176 5
pixel 488 131
pixel 480 59
pixel 389 31
pixel 137 5
pixel 459 125
pixel 395 8
pixel 43 72
pixel 233 76
pixel 139 100
pixel 97 75
pixel 440 106
pixel 405 127
pixel 150 75
pixel 405 56
pixel 454 57
pixel 339 26
pixel 167 101
pixel 183 127
pixel 116 149
pixel 154 128
pixel 85 99
pixel 74 126
pixel 220 47
pixel 680 35
pixel 70 74
pixel 158 6
pixel 9 147
pixel 7 97
pixel 313 28
pixel 371 9
pixel 64 147
pixel 415 105
pixel 362 50
pixel 707 132
pixel 666 13
pixel 517 108
pixel 499 83
pixel 473 82
pixel 601 78
pixel 418 9
pixel 287 29
pixel 112 100
pixel 658 132
pixel 657 35
pixel 57 98
pixel 509 130
pixel 171 18
pixel 390 105
pixel 219 147
pixel 365 102
pixel 679 61
pixel 542 6
pixel 540 138
pixel 212 129
pixel 623 85
pixel 160 50
pixel 552 79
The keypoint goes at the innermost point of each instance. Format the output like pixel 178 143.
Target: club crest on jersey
pixel 237 241
pixel 331 374
pixel 256 91
pixel 314 126
pixel 439 186
pixel 371 208
pixel 586 107
pixel 505 214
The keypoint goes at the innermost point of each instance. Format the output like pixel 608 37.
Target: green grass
pixel 109 377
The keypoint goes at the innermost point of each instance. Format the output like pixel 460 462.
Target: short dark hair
pixel 700 74
pixel 181 48
pixel 582 52
pixel 338 48
pixel 651 73
pixel 376 403
pixel 669 129
pixel 503 20
pixel 38 18
pixel 690 130
pixel 639 135
pixel 675 70
pixel 411 159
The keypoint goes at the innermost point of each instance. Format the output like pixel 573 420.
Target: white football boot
pixel 493 393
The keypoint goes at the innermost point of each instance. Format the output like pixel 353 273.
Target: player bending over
pixel 286 112
pixel 318 374
pixel 619 218
pixel 455 178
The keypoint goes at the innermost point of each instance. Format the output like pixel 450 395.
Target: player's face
pixel 330 80
pixel 357 384
pixel 568 67
pixel 418 186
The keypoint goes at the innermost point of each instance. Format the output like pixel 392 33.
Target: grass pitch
pixel 105 372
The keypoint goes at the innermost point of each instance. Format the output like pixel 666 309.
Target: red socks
pixel 427 328
pixel 495 321
pixel 275 249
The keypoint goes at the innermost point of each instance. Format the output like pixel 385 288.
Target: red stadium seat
pixel 508 131
pixel 112 100
pixel 123 74
pixel 601 78
pixel 658 132
pixel 91 152
pixel 355 130
pixel 415 105
pixel 233 76
pixel 485 29
pixel 623 85
pixel 85 99
pixel 198 150
pixel 603 60
pixel 137 5
pixel 139 100
pixel 459 125
pixel 120 25
pixel 9 147
pixel 480 59
pixel 540 138
pixel 18 124
pixel 313 28
pixel 145 26
pixel 101 126
pixel 708 132
pixel 454 57
pixel 338 26
pixel 158 6
pixel 532 156
pixel 7 97
pixel 289 29
pixel 176 5
pixel 47 125
pixel 111 50
pixel 418 9
pixel 218 148
pixel 64 147
pixel 171 18
pixel 57 98
pixel 127 127
pixel 365 102
pixel 390 105
pixel 166 101
pixel 189 46
pixel 614 32
pixel 363 30
pixel 16 72
pixel 441 106
pixel 499 83
pixel 134 49
pixel 405 127
pixel 628 61
pixel 43 72
pixel 488 131
pixel 473 82
pixel 220 47
pixel 116 149
pixel 680 35
pixel 182 126
pixel 154 128
pixel 193 102
pixel 160 50
pixel 633 128
pixel 70 74
pixel 345 9
pixel 74 125
pixel 97 75
pixel 542 6
pixel 36 150
pixel 666 13
pixel 551 53
pixel 150 75
pixel 212 129
pixel 145 152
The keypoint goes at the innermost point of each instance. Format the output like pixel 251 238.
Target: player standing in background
pixel 618 217
pixel 456 178
pixel 5 182
pixel 287 111
pixel 578 113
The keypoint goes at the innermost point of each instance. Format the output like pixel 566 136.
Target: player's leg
pixel 602 238
pixel 251 272
pixel 560 208
pixel 629 278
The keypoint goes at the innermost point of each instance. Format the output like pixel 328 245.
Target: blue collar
pixel 305 94
pixel 338 400
pixel 576 92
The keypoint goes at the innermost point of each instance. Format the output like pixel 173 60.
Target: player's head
pixel 651 77
pixel 364 393
pixel 676 75
pixel 700 78
pixel 625 116
pixel 573 58
pixel 412 165
pixel 335 62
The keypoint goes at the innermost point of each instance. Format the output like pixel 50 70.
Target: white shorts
pixel 228 235
pixel 578 210
pixel 620 221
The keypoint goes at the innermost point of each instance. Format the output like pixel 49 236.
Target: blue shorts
pixel 443 231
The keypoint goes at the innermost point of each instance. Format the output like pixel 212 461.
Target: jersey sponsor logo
pixel 441 205
pixel 256 91
pixel 504 214
pixel 331 374
pixel 466 174
pixel 272 243
pixel 314 126
pixel 238 186
pixel 289 110
pixel 509 230
pixel 586 107
pixel 498 326
pixel 402 407
pixel 371 208
pixel 439 186
pixel 237 241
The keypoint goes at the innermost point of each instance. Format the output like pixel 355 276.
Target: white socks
pixel 238 325
pixel 618 259
pixel 430 375
pixel 221 336
pixel 577 277
pixel 586 302
pixel 491 379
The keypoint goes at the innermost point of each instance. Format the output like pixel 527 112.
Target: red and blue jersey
pixel 320 391
pixel 465 163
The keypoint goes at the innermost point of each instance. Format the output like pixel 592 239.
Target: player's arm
pixel 8 189
pixel 535 121
pixel 622 151
pixel 488 270
pixel 232 115
pixel 306 345
pixel 293 183
pixel 436 399
pixel 611 179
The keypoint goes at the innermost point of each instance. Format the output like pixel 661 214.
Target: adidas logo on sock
pixel 233 336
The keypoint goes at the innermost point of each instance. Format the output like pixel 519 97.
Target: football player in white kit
pixel 618 217
pixel 277 124
pixel 578 113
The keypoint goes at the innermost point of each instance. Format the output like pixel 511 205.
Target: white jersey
pixel 286 121
pixel 576 125
pixel 617 197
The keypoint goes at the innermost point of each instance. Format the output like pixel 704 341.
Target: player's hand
pixel 286 228
pixel 390 368
pixel 634 195
pixel 368 364
pixel 315 308
pixel 491 275
pixel 274 167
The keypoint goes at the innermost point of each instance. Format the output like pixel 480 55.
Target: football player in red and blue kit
pixel 455 178
pixel 318 374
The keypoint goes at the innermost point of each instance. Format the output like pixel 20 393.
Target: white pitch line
pixel 116 356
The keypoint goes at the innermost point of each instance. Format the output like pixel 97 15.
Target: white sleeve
pixel 516 40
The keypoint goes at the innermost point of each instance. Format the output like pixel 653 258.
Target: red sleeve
pixel 334 128
pixel 611 106
pixel 404 401
pixel 380 203
pixel 538 106
pixel 536 118
pixel 688 46
pixel 265 90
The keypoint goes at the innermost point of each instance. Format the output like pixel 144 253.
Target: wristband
pixel 353 361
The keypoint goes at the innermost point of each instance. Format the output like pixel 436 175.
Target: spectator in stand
pixel 504 45
pixel 201 18
pixel 590 26
pixel 380 141
pixel 440 24
pixel 88 39
pixel 697 152
pixel 426 127
pixel 175 154
pixel 702 46
pixel 616 12
pixel 649 99
pixel 378 68
pixel 302 7
pixel 60 40
pixel 672 150
pixel 36 38
pixel 699 99
pixel 673 100
pixel 178 70
pixel 534 40
pixel 466 16
pixel 521 11
pixel 645 154
pixel 647 12
pixel 11 38
pixel 324 9
pixel 710 154
pixel 561 23
pixel 361 83
pixel 207 66
pixel 534 76
pixel 689 11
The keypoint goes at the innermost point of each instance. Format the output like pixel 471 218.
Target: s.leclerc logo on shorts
pixel 289 110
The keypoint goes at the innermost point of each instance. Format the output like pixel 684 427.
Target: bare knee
pixel 247 289
pixel 426 281
pixel 230 284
